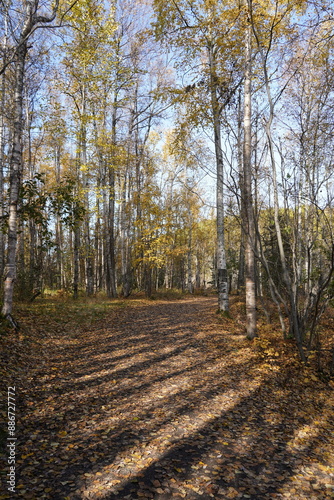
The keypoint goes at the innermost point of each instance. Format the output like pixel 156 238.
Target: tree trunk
pixel 59 231
pixel 198 270
pixel 111 262
pixel 14 180
pixel 124 241
pixel 241 270
pixel 189 263
pixel 89 272
pixel 31 20
pixel 110 226
pixel 223 304
pixel 247 192
pixel 2 156
pixel 291 287
pixel 76 246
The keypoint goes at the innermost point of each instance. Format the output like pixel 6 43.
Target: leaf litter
pixel 165 400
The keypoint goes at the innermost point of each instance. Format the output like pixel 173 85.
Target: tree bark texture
pixel 222 281
pixel 15 180
pixel 249 223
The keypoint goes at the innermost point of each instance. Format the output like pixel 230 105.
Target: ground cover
pixel 162 400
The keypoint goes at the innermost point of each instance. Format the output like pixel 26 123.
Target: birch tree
pixel 249 223
pixel 201 34
pixel 31 16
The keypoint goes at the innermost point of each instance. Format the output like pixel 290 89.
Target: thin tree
pixel 248 211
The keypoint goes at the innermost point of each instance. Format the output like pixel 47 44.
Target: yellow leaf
pixel 324 468
pixel 232 493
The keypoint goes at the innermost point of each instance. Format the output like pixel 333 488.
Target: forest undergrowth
pixel 163 399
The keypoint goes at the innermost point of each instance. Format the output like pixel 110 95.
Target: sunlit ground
pixel 165 400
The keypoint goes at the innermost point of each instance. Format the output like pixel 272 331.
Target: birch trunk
pixel 101 207
pixel 2 152
pixel 31 19
pixel 58 231
pixel 76 267
pixel 241 270
pixel 34 270
pixel 247 193
pixel 223 303
pixel 89 271
pixel 189 263
pixel 198 271
pixel 124 240
pixel 15 180
pixel 110 247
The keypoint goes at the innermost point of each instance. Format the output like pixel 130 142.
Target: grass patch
pixel 224 314
pixel 54 315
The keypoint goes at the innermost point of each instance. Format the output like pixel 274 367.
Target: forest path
pixel 166 400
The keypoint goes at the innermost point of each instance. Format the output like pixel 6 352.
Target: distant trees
pixel 91 209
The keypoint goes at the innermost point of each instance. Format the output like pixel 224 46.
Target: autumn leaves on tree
pixel 114 118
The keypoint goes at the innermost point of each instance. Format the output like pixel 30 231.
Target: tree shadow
pixel 185 420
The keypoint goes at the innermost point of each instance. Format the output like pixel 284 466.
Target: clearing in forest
pixel 163 400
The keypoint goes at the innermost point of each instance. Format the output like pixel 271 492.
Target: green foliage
pixel 66 203
pixel 39 203
pixel 33 199
pixel 33 206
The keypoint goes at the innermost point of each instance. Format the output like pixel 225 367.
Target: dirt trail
pixel 160 401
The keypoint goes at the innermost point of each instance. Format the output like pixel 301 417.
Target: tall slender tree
pixel 30 19
pixel 249 223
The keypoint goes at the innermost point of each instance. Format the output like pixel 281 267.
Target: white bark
pixel 85 179
pixel 31 20
pixel 222 283
pixel 110 237
pixel 189 264
pixel 2 149
pixel 14 182
pixel 247 193
pixel 76 267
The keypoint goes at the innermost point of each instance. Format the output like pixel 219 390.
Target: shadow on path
pixel 164 405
